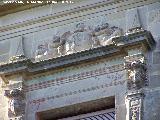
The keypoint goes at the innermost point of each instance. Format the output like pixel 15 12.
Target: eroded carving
pixel 135 107
pixel 136 73
pixel 41 52
pixel 103 34
pixel 16 102
pixel 55 46
pixel 83 37
pixel 79 40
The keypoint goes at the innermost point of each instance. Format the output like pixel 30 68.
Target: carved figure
pixel 66 47
pixel 55 46
pixel 137 74
pixel 80 39
pixel 41 51
pixel 104 34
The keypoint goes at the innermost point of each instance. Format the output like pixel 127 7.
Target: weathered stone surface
pixel 156 57
pixel 151 105
pixel 154 81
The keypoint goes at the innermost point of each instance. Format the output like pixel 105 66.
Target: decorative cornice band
pixel 92 88
pixel 79 76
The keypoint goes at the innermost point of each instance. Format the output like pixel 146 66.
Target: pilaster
pixel 136 68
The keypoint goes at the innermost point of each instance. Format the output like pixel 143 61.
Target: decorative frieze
pixel 37 102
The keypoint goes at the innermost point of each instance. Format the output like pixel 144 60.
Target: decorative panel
pixel 100 115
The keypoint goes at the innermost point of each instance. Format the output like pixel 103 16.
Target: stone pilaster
pixel 135 106
pixel 137 78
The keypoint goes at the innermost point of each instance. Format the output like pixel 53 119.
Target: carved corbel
pixel 137 73
pixel 16 103
pixel 135 106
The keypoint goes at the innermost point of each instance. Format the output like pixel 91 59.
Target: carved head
pixel 42 46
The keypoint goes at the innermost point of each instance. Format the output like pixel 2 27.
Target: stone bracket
pixel 137 71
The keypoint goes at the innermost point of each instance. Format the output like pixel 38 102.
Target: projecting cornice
pixel 140 38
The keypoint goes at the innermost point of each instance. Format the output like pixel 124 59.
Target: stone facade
pixel 59 61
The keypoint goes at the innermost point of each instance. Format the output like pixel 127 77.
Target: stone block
pixel 155 81
pixel 120 112
pixel 152 105
pixel 156 57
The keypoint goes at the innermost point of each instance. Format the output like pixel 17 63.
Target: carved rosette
pixel 16 103
pixel 137 73
pixel 135 106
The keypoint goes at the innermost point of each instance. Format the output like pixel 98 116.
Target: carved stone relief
pixel 103 34
pixel 135 106
pixel 16 99
pixel 82 37
pixel 137 74
pixel 16 103
pixel 41 52
pixel 79 40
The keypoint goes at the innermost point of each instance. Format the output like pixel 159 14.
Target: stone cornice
pixel 137 38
